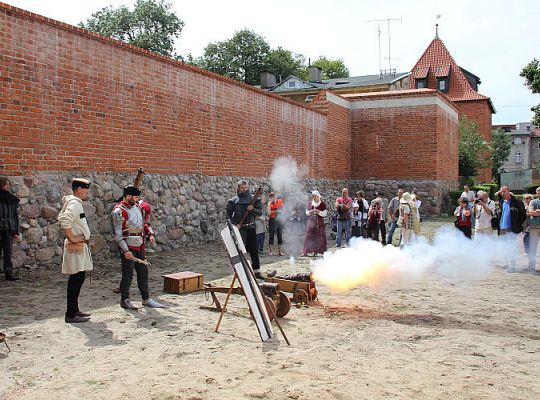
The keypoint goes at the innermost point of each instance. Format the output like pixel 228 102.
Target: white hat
pixel 405 197
pixel 316 193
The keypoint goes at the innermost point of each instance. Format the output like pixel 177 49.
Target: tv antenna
pixel 387 20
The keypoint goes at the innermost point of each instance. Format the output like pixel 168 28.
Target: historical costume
pixel 236 208
pixel 9 226
pixel 77 258
pixel 130 231
pixel 315 241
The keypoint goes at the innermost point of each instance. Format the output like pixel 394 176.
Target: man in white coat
pixel 77 258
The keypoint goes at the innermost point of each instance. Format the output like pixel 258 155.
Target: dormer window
pixel 442 84
pixel 442 74
pixel 420 83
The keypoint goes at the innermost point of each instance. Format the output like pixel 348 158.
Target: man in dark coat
pixel 236 208
pixel 512 215
pixel 9 225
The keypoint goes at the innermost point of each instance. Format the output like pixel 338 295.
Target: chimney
pixel 268 80
pixel 314 74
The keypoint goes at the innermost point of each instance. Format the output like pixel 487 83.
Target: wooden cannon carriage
pixel 279 301
pixel 302 286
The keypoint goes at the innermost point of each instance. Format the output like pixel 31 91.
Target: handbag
pixel 72 247
pixel 495 221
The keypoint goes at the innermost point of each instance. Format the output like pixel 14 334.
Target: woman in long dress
pixel 315 241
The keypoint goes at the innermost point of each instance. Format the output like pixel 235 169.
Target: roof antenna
pixel 387 20
pixel 437 26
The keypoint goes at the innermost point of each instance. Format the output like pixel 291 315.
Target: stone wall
pixel 188 209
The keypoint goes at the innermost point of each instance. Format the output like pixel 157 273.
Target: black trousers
pixel 249 236
pixel 6 247
pixel 127 276
pixel 75 282
pixel 467 231
pixel 382 229
pixel 373 231
pixel 275 227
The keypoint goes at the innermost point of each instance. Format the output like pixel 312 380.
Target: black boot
pixel 11 277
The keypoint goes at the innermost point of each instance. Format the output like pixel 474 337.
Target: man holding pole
pixel 243 209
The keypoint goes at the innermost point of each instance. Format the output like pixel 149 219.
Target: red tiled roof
pixel 439 60
pixel 420 73
pixel 442 71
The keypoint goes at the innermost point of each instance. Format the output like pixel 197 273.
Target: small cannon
pixel 278 300
pixel 301 285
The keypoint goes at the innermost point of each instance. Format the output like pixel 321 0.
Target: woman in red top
pixel 463 214
pixel 274 224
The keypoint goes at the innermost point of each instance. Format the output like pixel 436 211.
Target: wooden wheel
pixel 300 296
pixel 270 308
pixel 284 305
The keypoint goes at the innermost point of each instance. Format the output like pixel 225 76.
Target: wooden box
pixel 182 282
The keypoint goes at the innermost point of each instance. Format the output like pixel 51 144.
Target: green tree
pixel 332 69
pixel 500 150
pixel 243 57
pixel 283 63
pixel 473 149
pixel 151 25
pixel 531 73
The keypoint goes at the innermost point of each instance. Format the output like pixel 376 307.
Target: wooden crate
pixel 182 282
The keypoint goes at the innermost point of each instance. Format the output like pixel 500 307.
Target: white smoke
pixel 450 256
pixel 286 183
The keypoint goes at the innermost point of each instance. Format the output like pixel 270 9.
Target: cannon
pixel 279 301
pixel 301 285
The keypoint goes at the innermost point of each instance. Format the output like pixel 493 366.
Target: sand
pixel 428 339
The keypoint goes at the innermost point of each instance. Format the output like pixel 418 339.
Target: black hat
pixel 80 183
pixel 132 190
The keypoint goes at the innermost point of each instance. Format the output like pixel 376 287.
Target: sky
pixel 494 39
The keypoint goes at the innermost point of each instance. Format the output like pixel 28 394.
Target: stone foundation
pixel 188 209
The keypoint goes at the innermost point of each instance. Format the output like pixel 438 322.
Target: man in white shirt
pixel 484 209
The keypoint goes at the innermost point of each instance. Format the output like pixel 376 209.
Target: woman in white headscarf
pixel 315 241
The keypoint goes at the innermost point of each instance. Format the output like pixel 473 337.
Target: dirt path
pixel 428 340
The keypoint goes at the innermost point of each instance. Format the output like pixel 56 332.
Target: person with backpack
pixel 463 217
pixel 375 216
pixel 359 215
pixel 393 213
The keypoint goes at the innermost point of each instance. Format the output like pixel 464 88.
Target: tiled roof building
pixel 436 69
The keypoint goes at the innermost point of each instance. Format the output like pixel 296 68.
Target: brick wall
pixel 480 112
pixel 410 134
pixel 70 100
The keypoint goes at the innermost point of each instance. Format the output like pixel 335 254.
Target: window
pixel 442 84
pixel 421 83
pixel 292 84
pixel 528 128
pixel 517 140
pixel 538 144
pixel 518 159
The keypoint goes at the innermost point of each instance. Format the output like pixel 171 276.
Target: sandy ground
pixel 427 340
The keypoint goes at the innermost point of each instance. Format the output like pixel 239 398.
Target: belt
pixel 134 234
pixel 251 224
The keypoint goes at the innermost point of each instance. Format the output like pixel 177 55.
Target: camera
pixel 478 201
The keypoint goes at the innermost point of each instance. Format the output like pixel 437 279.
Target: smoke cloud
pixel 286 181
pixel 450 257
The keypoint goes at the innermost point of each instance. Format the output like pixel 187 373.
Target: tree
pixel 500 150
pixel 151 25
pixel 472 148
pixel 283 63
pixel 531 73
pixel 332 69
pixel 243 57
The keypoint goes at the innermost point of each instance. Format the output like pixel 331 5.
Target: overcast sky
pixel 493 39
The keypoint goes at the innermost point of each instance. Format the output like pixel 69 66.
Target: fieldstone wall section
pixel 188 209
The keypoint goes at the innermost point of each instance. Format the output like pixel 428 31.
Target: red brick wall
pixel 404 141
pixel 73 100
pixel 480 112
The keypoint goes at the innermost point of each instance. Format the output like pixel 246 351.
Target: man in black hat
pixel 130 230
pixel 236 208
